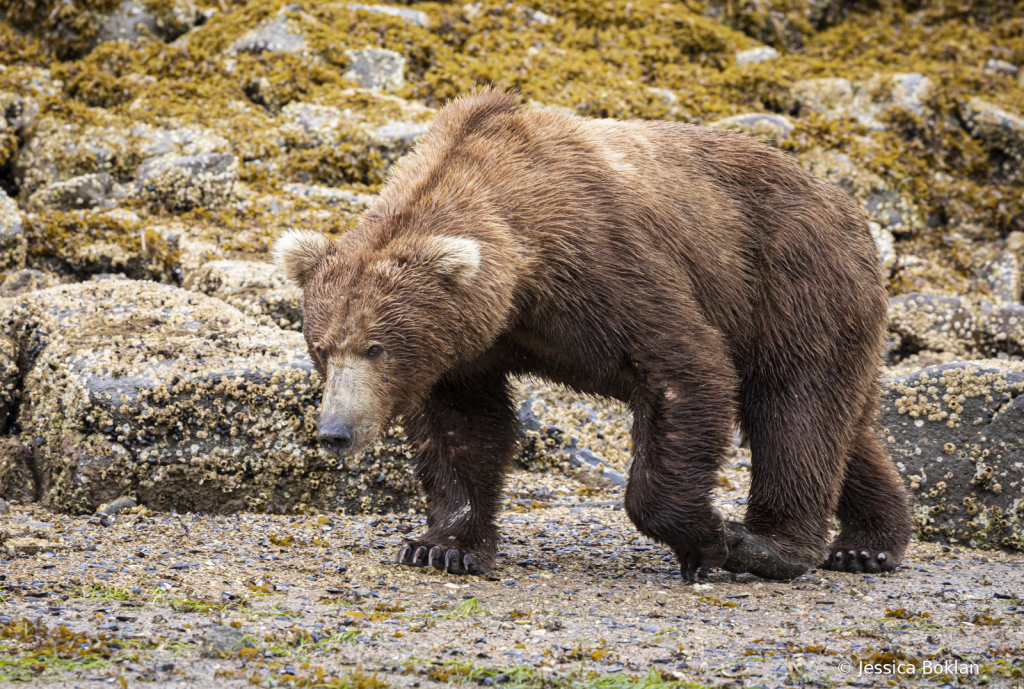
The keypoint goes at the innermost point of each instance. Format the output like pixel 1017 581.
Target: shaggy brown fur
pixel 699 276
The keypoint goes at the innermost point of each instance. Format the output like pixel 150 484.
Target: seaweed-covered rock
pixel 863 101
pixel 999 130
pixel 330 196
pixel 12 235
pixel 96 190
pixel 16 480
pixel 885 243
pixel 281 33
pixel 375 68
pixel 137 20
pixel 954 433
pixel 185 182
pixel 257 289
pixel 137 388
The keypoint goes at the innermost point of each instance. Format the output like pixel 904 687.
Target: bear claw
pixel 855 561
pixel 451 560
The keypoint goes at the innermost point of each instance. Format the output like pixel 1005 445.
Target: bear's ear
pixel 453 258
pixel 299 252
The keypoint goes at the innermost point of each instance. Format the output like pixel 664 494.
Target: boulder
pixel 863 101
pixel 12 235
pixel 939 323
pixel 27 280
pixel 886 245
pixel 221 639
pixel 994 66
pixel 954 433
pixel 186 182
pixel 375 68
pixel 176 398
pixel 96 190
pixel 256 289
pixel 330 196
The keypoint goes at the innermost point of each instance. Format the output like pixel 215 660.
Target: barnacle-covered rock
pixel 768 127
pixel 374 68
pixel 939 323
pixel 257 289
pixel 999 130
pixel 12 235
pixel 954 433
pixel 96 190
pixel 185 182
pixel 864 101
pixel 137 388
pixel 134 20
pixel 280 33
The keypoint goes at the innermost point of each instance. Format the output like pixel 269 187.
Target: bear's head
pixel 383 320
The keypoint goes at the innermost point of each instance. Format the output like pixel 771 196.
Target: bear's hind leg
pixel 466 432
pixel 798 443
pixel 873 509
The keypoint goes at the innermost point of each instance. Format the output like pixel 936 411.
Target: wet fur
pixel 699 276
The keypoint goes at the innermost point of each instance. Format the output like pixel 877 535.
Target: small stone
pixel 411 16
pixel 1001 67
pixel 756 55
pixel 223 639
pixel 4 509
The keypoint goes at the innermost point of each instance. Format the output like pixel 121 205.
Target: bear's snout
pixel 336 437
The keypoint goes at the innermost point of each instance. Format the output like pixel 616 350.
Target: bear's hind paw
pixel 857 560
pixel 451 560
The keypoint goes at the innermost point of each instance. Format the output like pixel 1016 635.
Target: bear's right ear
pixel 299 252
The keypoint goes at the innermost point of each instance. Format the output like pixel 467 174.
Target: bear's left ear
pixel 299 252
pixel 454 259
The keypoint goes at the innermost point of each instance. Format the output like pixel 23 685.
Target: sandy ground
pixel 577 595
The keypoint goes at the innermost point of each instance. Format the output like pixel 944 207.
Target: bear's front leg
pixel 466 433
pixel 682 427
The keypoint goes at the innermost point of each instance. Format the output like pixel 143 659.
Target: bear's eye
pixel 374 350
pixel 321 352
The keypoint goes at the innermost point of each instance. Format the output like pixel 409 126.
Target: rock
pixel 19 111
pixel 893 209
pixel 866 100
pixel 954 433
pixel 1001 67
pixel 137 20
pixel 25 281
pixel 998 130
pixel 395 139
pixel 4 509
pixel 281 33
pixel 886 245
pixel 768 127
pixel 118 506
pixel 186 182
pixel 1001 277
pixel 308 125
pixel 756 55
pixel 350 201
pixel 12 235
pixel 16 480
pixel 96 190
pixel 409 15
pixel 137 388
pixel 374 68
pixel 937 323
pixel 534 16
pixel 257 289
pixel 220 638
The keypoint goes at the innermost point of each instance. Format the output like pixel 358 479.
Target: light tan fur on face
pixel 349 397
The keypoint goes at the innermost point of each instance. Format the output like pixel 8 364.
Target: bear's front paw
pixel 757 555
pixel 857 560
pixel 697 557
pixel 451 560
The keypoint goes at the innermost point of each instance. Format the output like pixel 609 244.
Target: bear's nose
pixel 335 437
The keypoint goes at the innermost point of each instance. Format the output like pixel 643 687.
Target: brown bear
pixel 697 275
